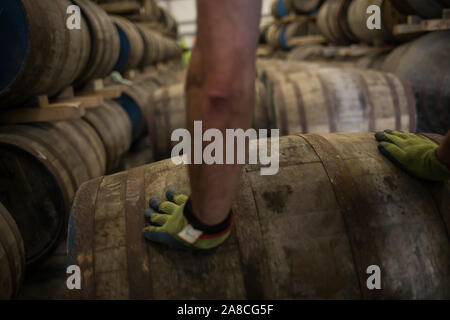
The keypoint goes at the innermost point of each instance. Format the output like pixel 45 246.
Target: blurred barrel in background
pixel 342 100
pixel 263 114
pixel 282 8
pixel 45 56
pixel 12 256
pixel 305 6
pixel 157 48
pixel 280 34
pixel 136 101
pixel 332 22
pixel 168 21
pixel 113 126
pixel 167 113
pixel 131 44
pixel 340 207
pixel 357 21
pixel 42 166
pixel 425 62
pixel 274 68
pixel 105 42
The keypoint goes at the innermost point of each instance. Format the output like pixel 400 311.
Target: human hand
pixel 174 224
pixel 413 153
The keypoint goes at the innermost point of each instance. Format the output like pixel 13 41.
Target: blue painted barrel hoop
pixel 134 112
pixel 125 50
pixel 281 9
pixel 14 40
pixel 283 39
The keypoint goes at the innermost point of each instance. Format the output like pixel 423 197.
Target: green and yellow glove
pixel 174 224
pixel 413 153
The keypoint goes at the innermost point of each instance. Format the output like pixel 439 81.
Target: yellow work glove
pixel 414 153
pixel 174 224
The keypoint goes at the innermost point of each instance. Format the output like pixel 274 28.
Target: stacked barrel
pixel 417 59
pixel 43 164
pixel 340 206
pixel 292 19
pixel 345 21
pixel 316 99
pixel 46 62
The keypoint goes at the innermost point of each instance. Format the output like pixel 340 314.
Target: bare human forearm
pixel 443 152
pixel 220 93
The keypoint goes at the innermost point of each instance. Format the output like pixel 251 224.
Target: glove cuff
pixel 218 229
pixel 440 167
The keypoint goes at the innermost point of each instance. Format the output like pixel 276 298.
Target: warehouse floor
pixel 47 282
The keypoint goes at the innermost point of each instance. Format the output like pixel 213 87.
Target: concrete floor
pixel 48 281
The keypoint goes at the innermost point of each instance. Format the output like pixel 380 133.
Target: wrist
pixel 442 158
pixel 208 230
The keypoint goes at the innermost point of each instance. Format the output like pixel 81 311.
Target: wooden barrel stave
pixel 42 167
pixel 12 256
pixel 319 246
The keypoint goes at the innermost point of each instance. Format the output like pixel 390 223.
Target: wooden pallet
pixel 67 105
pixel 98 87
pixel 306 40
pixel 417 25
pixel 51 112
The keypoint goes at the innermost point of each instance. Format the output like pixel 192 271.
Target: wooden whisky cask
pixel 105 41
pixel 131 44
pixel 342 100
pixel 425 63
pixel 12 256
pixel 136 100
pixel 332 22
pixel 41 168
pixel 157 48
pixel 113 126
pixel 390 16
pixel 40 54
pixel 336 207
